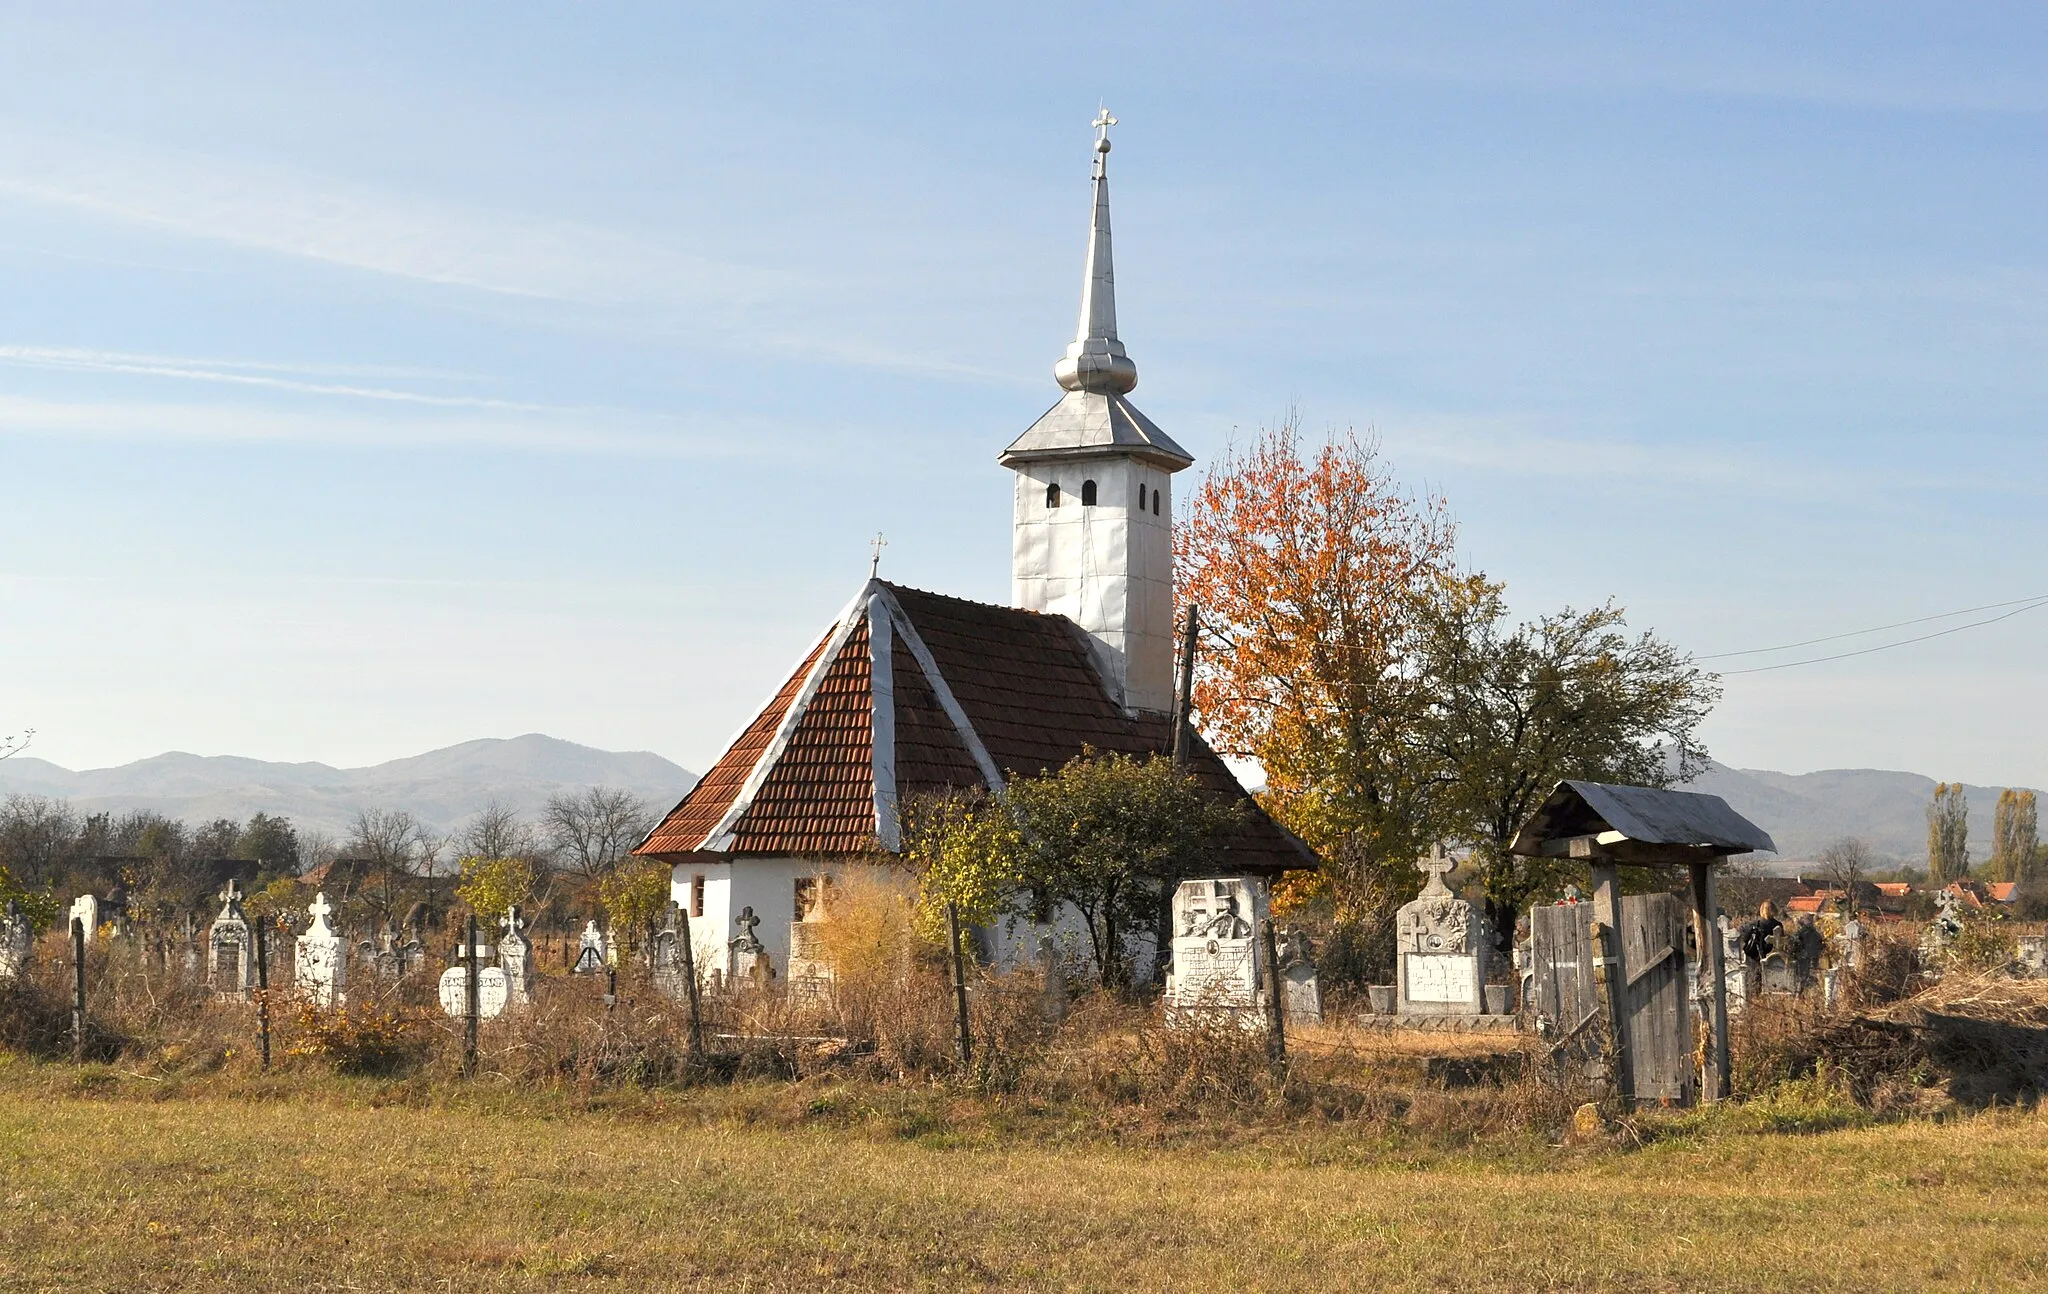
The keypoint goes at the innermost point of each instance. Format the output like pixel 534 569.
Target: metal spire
pixel 1096 361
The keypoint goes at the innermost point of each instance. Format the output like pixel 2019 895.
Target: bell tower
pixel 1092 538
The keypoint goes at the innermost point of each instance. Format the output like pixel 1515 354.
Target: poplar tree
pixel 2015 835
pixel 1948 834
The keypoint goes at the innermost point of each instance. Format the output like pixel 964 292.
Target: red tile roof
pixel 802 777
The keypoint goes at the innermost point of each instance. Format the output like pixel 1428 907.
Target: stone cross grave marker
pixel 17 942
pixel 1441 948
pixel 232 946
pixel 515 957
pixel 747 957
pixel 667 954
pixel 320 968
pixel 1298 980
pixel 590 957
pixel 1216 961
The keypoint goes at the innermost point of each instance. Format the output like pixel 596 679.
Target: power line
pixel 1903 642
pixel 1858 633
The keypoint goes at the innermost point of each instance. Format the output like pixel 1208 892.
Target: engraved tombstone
pixel 666 955
pixel 320 971
pixel 1440 948
pixel 231 947
pixel 515 958
pixel 1298 980
pixel 17 941
pixel 492 991
pixel 1215 955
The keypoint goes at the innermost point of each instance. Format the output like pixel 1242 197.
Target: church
pixel 910 692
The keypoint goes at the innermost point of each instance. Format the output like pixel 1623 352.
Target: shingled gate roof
pixel 911 692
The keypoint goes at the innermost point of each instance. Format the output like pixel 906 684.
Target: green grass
pixel 114 1182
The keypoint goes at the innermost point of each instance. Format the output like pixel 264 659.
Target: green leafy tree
pixel 967 851
pixel 491 886
pixel 1516 710
pixel 272 841
pixel 1109 835
pixel 38 905
pixel 634 895
pixel 1948 834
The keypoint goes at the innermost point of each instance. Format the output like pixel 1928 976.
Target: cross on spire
pixel 1435 864
pixel 1103 121
pixel 875 546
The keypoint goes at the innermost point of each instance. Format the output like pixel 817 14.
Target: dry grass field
pixel 120 1182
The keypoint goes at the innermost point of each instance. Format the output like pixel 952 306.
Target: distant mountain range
pixel 1805 812
pixel 441 788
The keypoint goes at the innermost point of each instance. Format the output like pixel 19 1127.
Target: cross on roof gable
pixel 911 692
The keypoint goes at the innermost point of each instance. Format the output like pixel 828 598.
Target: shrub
pixel 364 1037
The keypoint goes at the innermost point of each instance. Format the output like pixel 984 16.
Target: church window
pixel 1052 495
pixel 1141 498
pixel 1087 494
pixel 1155 503
pixel 697 896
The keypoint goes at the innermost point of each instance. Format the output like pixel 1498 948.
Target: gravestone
pixel 17 942
pixel 1215 950
pixel 1052 978
pixel 1441 948
pixel 492 991
pixel 86 910
pixel 1736 971
pixel 2031 956
pixel 666 955
pixel 231 947
pixel 1304 993
pixel 1851 935
pixel 1776 973
pixel 1941 933
pixel 515 958
pixel 194 962
pixel 810 968
pixel 320 971
pixel 591 952
pixel 747 958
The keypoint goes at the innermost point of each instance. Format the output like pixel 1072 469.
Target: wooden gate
pixel 1565 999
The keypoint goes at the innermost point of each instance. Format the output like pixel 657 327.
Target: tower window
pixel 1087 494
pixel 696 896
pixel 1052 495
pixel 1155 503
pixel 1141 498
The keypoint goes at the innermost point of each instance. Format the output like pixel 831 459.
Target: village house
pixel 909 692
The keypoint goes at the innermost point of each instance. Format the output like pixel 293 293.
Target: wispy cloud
pixel 595 431
pixel 64 359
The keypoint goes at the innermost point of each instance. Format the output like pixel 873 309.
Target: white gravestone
pixel 1441 949
pixel 1216 962
pixel 591 956
pixel 17 941
pixel 85 909
pixel 515 958
pixel 492 991
pixel 671 979
pixel 746 956
pixel 231 946
pixel 320 969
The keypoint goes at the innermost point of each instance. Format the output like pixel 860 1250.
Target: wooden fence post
pixel 1610 972
pixel 472 1006
pixel 1713 1082
pixel 959 986
pixel 77 991
pixel 263 990
pixel 1276 1000
pixel 690 982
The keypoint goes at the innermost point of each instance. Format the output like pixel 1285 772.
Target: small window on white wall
pixel 1052 495
pixel 697 896
pixel 1141 498
pixel 1155 503
pixel 1087 494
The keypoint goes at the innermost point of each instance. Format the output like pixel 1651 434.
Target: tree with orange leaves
pixel 1315 574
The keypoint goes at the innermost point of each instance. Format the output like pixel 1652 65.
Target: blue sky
pixel 380 377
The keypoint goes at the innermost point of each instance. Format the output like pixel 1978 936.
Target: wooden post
pixel 1705 902
pixel 1184 694
pixel 959 986
pixel 1610 972
pixel 690 980
pixel 472 1005
pixel 1276 1000
pixel 263 992
pixel 77 991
